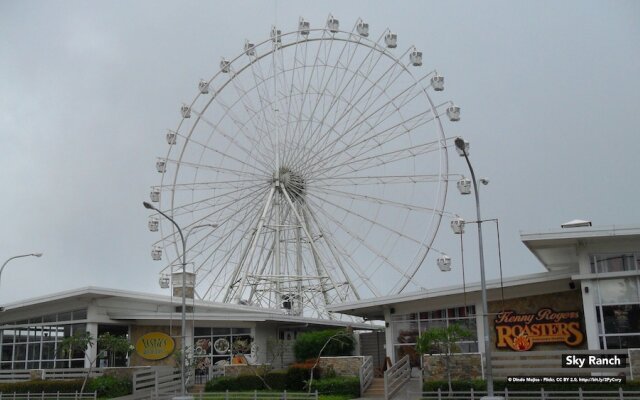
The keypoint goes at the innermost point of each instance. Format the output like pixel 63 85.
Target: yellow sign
pixel 521 332
pixel 155 346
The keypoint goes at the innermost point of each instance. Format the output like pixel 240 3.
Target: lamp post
pixel 462 148
pixel 14 257
pixel 183 334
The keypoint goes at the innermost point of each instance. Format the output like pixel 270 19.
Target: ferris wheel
pixel 310 169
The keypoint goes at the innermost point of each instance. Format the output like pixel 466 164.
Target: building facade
pixel 588 298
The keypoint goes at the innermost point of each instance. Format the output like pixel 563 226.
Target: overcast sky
pixel 549 94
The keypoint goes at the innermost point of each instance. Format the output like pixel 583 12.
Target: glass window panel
pixel 622 342
pixel 405 332
pixel 21 335
pixel 77 363
pixel 220 331
pixel 202 346
pixel 240 331
pixel 621 319
pixel 47 365
pixel 7 352
pixel 8 336
pixel 5 365
pixel 36 320
pixel 67 330
pixel 20 352
pixel 62 364
pixel 33 365
pixel 49 318
pixel 79 328
pixel 615 291
pixel 202 331
pixel 79 314
pixel 23 322
pixel 48 351
pixel 35 333
pixel 34 351
pixel 64 316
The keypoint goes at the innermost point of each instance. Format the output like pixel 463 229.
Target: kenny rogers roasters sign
pixel 521 332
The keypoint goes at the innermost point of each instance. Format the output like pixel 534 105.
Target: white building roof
pixel 135 306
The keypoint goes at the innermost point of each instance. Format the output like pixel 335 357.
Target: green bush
pixel 277 380
pixel 234 384
pixel 110 386
pixel 309 344
pixel 343 385
pixel 39 386
pixel 297 377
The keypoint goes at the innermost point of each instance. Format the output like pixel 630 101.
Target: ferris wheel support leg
pixel 250 249
pixel 319 265
pixel 335 256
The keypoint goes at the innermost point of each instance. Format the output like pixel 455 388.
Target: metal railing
pixel 153 382
pixel 48 396
pixel 531 395
pixel 396 377
pixel 255 395
pixel 366 374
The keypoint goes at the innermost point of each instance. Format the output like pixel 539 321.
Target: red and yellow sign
pixel 155 346
pixel 521 332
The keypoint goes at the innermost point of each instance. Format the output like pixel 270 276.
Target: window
pixel 601 263
pixel 407 328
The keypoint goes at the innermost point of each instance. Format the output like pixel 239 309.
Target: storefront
pixel 32 331
pixel 588 298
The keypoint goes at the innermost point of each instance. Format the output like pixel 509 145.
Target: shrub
pixel 235 384
pixel 39 386
pixel 338 343
pixel 110 386
pixel 343 385
pixel 277 380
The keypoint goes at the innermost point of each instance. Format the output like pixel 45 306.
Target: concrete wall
pixel 342 366
pixel 463 366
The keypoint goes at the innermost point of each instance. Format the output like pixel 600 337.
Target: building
pixel 588 298
pixel 31 331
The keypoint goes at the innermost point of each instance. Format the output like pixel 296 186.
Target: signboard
pixel 521 332
pixel 155 346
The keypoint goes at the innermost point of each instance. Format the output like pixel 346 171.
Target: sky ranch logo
pixel 521 332
pixel 155 346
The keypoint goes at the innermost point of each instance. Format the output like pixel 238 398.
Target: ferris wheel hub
pixel 291 181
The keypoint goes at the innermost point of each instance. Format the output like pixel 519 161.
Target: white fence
pixel 48 396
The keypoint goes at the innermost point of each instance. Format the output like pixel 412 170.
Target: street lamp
pixel 183 239
pixel 462 147
pixel 23 255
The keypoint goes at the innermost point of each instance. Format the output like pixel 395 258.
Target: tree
pixel 442 340
pixel 341 342
pixel 79 342
pixel 114 345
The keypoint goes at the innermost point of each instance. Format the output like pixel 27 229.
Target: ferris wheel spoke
pixel 340 254
pixel 325 84
pixel 372 199
pixel 229 138
pixel 221 207
pixel 221 170
pixel 363 242
pixel 327 147
pixel 369 220
pixel 343 90
pixel 361 164
pixel 373 180
pixel 213 185
pixel 352 103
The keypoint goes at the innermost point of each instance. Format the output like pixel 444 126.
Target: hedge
pixel 110 386
pixel 346 385
pixel 235 384
pixel 39 386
